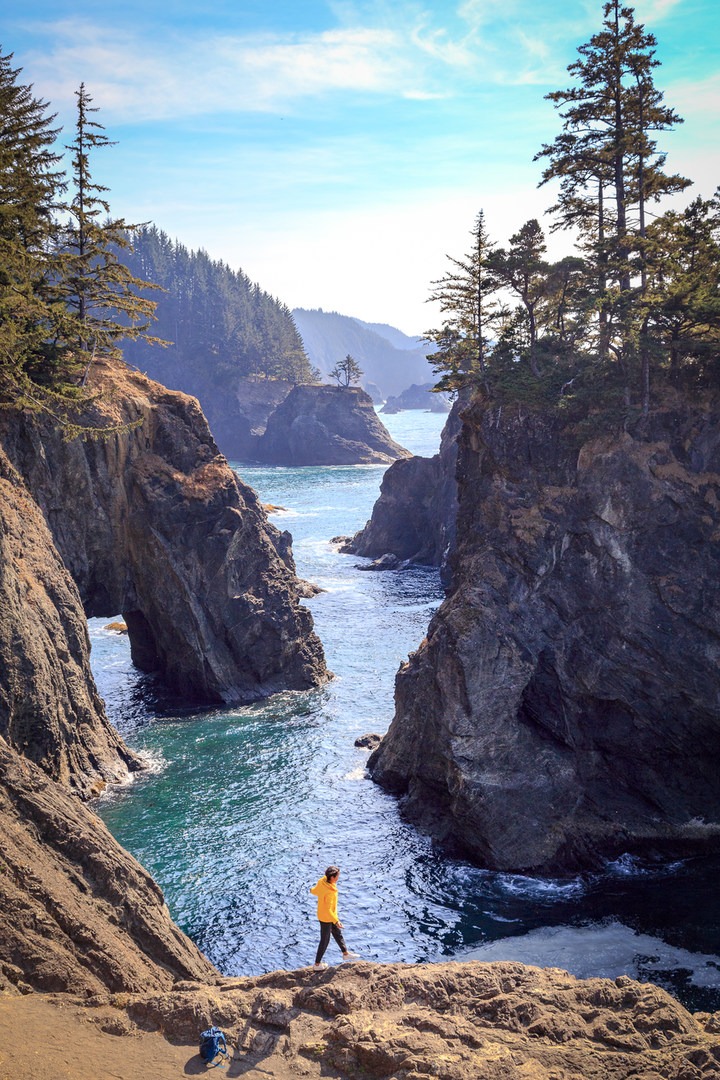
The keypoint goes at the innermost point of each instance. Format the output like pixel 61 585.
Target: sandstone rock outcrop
pixel 564 706
pixel 49 708
pixel 414 516
pixel 327 425
pixel 152 523
pixel 467 1021
pixel 80 915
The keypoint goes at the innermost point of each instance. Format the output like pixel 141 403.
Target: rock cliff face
pixel 564 705
pixel 327 425
pixel 78 913
pixel 49 709
pixel 414 516
pixel 154 524
pixel 237 430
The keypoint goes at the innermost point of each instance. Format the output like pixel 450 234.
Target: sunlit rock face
pixel 327 425
pixel 80 915
pixel 152 523
pixel 564 706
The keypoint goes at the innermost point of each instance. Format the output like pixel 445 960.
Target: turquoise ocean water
pixel 244 808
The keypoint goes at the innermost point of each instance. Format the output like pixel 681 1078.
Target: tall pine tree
pixel 103 301
pixel 467 295
pixel 609 168
pixel 31 185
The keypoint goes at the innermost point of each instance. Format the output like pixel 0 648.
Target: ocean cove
pixel 247 806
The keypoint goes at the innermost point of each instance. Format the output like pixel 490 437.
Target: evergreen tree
pixel 684 290
pixel 523 270
pixel 467 293
pixel 102 302
pixel 31 184
pixel 610 168
pixel 346 371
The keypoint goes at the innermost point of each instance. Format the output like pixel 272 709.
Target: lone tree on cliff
pixel 346 371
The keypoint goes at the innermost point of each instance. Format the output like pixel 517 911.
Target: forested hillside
pixel 390 361
pixel 219 324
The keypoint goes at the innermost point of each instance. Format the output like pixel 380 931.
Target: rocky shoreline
pixel 90 960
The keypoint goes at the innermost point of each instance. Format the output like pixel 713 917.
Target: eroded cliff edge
pixel 78 913
pixel 564 705
pixel 152 523
pixel 83 922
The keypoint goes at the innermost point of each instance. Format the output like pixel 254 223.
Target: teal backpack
pixel 212 1044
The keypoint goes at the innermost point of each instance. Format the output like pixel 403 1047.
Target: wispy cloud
pixel 407 53
pixel 652 11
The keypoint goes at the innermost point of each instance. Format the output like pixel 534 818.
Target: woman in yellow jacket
pixel 327 913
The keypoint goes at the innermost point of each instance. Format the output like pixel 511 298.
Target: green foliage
pixel 219 324
pixel 467 293
pixel 30 186
pixel 61 284
pixel 97 293
pixel 346 371
pixel 639 304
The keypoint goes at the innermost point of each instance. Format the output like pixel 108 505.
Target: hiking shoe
pixel 318 966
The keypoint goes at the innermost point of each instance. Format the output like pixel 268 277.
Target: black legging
pixel 326 929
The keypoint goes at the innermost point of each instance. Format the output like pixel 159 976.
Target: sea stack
pixel 327 425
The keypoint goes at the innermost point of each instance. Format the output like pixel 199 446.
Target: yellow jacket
pixel 327 895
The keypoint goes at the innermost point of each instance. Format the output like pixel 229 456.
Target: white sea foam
pixel 356 774
pixel 633 866
pixel 154 761
pixel 603 950
pixel 539 888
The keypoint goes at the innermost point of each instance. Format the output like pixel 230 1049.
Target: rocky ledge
pixel 152 523
pixel 564 707
pixel 386 1022
pixel 327 425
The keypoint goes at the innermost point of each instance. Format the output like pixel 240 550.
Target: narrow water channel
pixel 245 807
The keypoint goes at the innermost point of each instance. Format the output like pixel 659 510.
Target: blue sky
pixel 337 151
